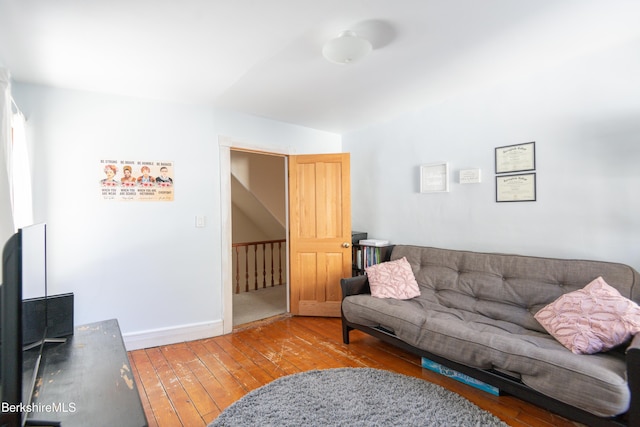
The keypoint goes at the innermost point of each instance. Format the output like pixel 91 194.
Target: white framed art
pixel 434 177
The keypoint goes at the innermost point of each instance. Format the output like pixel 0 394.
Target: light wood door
pixel 319 232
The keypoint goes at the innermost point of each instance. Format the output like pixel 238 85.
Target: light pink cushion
pixel 393 279
pixel 595 318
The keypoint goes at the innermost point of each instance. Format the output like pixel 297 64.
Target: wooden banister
pixel 263 253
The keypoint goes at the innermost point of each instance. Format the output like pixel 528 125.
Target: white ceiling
pixel 263 57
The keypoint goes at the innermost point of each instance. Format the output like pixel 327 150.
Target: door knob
pixel 345 245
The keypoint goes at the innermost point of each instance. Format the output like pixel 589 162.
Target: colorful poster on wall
pixel 136 180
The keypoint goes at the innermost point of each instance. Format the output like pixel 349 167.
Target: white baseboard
pixel 172 335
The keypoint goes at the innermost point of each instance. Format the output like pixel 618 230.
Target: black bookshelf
pixel 365 255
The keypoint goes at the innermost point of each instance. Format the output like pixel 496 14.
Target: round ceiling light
pixel 346 48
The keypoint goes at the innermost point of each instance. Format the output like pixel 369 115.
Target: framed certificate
pixel 516 188
pixel 516 158
pixel 434 177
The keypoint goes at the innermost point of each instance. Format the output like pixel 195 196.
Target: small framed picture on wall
pixel 516 158
pixel 516 188
pixel 434 177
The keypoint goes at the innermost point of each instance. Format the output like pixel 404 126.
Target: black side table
pixel 87 381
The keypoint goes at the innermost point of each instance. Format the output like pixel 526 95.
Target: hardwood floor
pixel 189 384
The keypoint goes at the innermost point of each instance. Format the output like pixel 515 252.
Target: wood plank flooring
pixel 189 384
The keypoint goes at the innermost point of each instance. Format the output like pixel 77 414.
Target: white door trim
pixel 226 144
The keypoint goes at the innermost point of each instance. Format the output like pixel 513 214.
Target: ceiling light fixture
pixel 346 48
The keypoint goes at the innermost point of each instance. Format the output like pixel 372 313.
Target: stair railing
pixel 261 264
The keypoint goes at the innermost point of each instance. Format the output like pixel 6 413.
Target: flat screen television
pixel 24 274
pixel 11 332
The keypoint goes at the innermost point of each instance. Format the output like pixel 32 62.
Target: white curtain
pixel 20 179
pixel 15 174
pixel 6 214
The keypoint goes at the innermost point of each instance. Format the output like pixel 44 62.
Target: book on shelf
pixel 371 255
pixel 373 242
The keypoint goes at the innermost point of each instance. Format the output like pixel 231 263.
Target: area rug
pixel 353 397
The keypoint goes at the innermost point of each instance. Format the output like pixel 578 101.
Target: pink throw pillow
pixel 393 279
pixel 593 319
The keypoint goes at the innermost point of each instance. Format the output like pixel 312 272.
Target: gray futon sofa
pixel 475 314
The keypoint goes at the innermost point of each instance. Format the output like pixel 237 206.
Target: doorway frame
pixel 225 146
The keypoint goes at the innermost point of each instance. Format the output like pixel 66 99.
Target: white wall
pixel 144 263
pixel 244 229
pixel 264 176
pixel 583 114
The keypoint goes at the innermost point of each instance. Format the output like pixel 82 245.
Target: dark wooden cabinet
pixel 87 381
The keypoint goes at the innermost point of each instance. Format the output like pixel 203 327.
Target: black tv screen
pixel 34 283
pixel 11 332
pixel 24 275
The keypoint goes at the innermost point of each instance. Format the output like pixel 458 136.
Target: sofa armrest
pixel 633 379
pixel 635 344
pixel 354 286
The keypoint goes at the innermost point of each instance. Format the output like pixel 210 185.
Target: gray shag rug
pixel 353 397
